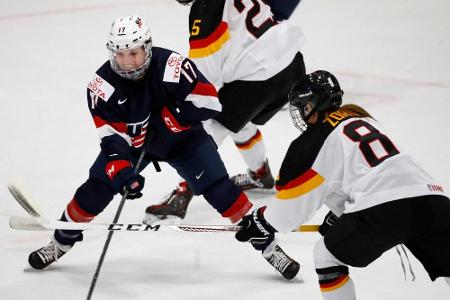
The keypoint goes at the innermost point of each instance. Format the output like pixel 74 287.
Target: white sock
pixel 250 144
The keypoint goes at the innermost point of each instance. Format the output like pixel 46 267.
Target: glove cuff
pixel 115 166
pixel 262 219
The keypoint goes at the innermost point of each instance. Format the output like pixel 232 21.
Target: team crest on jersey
pixel 172 71
pixel 100 88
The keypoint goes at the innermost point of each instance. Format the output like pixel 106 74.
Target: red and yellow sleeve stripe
pixel 210 44
pixel 300 185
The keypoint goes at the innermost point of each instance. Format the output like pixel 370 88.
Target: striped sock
pixel 338 288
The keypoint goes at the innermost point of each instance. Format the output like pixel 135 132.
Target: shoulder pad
pixel 172 69
pixel 100 87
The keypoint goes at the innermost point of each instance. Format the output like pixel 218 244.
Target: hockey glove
pixel 327 223
pixel 173 120
pixel 256 230
pixel 122 173
pixel 185 2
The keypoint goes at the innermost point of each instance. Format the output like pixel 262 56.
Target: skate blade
pixel 261 191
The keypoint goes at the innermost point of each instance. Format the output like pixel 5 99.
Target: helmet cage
pixel 133 74
pixel 128 33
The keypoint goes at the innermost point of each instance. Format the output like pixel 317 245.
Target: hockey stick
pixel 39 223
pixel 22 200
pixel 288 269
pixel 110 233
pixel 44 224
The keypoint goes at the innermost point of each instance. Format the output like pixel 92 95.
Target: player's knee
pixel 228 199
pixel 245 134
pixel 323 257
pixel 93 196
pixel 331 272
pixel 216 130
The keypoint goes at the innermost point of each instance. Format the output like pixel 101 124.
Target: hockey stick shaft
pixel 43 224
pixel 110 233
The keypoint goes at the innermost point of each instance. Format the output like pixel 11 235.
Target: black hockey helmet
pixel 318 91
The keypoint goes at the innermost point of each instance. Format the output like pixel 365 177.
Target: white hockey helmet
pixel 129 32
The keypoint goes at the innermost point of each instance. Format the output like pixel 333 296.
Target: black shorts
pixel 257 101
pixel 421 223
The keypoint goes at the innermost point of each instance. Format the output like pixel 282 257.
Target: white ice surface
pixel 393 57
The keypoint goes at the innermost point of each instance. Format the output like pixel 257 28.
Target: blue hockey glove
pixel 327 223
pixel 133 183
pixel 256 230
pixel 122 173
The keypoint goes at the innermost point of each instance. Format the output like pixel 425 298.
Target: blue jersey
pixel 165 107
pixel 282 10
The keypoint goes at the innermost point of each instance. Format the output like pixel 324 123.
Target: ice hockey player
pixel 344 160
pixel 252 56
pixel 154 99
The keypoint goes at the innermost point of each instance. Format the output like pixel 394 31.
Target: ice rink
pixel 392 57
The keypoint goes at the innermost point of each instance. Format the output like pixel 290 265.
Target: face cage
pixel 134 74
pixel 297 119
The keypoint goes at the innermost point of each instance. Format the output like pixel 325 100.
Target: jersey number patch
pixel 256 31
pixel 375 146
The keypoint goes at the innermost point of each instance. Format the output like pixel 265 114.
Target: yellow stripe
pixel 335 287
pixel 308 228
pixel 214 47
pixel 301 189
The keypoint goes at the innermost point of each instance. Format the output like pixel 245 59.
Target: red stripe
pixel 250 141
pixel 204 89
pixel 77 214
pixel 220 30
pixel 238 209
pixel 297 181
pixel 171 122
pixel 119 126
pixel 183 186
pixel 138 144
pixel 113 167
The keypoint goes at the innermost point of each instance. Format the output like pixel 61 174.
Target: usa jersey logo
pixel 137 132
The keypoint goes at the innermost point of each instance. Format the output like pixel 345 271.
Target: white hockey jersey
pixel 240 40
pixel 347 163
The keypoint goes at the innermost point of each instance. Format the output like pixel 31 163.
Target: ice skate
pixel 173 208
pixel 46 255
pixel 260 181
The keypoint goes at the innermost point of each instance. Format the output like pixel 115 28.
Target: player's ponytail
pixel 354 109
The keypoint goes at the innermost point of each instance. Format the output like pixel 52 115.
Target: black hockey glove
pixel 327 223
pixel 256 230
pixel 185 2
pixel 132 182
